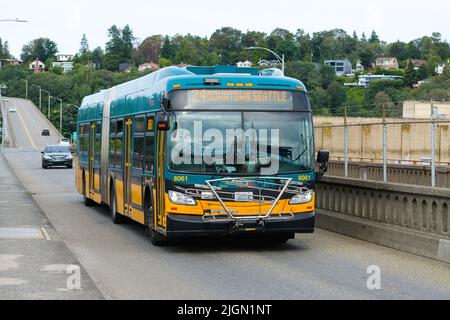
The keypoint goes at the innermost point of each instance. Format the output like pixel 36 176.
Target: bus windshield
pixel 206 142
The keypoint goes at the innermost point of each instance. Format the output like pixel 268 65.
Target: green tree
pixel 4 50
pixel 374 37
pixel 227 43
pixel 327 76
pixel 149 50
pixel 84 45
pixel 336 97
pixel 411 75
pixel 119 48
pixel 168 49
pixel 41 48
pixel 382 100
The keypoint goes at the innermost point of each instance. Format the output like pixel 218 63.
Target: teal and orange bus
pixel 202 151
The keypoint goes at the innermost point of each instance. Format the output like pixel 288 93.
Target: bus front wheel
pixel 156 238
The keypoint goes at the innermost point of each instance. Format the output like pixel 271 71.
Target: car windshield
pixel 200 142
pixel 57 149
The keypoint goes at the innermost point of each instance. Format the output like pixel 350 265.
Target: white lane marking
pixel 11 282
pixel 8 261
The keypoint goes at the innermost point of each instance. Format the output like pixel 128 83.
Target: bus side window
pixel 138 144
pixel 149 145
pixel 112 143
pixel 119 139
pixel 84 138
pixel 98 142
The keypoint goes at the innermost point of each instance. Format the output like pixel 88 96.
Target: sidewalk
pixel 35 263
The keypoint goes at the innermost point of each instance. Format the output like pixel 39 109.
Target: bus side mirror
pixel 163 122
pixel 323 157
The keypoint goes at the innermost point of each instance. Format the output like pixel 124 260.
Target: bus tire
pixel 156 238
pixel 117 218
pixel 87 202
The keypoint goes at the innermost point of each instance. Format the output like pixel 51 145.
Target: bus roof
pixel 175 78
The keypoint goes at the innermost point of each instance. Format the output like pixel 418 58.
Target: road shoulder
pixel 35 262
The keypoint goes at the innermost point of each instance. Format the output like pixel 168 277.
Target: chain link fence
pixel 386 141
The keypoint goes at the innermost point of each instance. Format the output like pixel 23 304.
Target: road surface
pixel 124 265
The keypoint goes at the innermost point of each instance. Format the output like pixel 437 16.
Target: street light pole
pixel 60 112
pixel 4 129
pixel 280 59
pixel 26 88
pixel 49 97
pixel 40 95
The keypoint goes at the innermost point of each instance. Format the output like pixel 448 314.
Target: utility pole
pixel 40 95
pixel 26 88
pixel 60 113
pixel 49 97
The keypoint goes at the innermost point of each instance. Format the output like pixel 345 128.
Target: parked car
pixel 64 142
pixel 57 156
pixel 45 132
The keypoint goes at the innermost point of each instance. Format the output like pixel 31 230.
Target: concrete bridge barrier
pixel 397 173
pixel 409 218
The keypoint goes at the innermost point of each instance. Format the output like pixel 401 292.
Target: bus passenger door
pixel 127 168
pixel 91 159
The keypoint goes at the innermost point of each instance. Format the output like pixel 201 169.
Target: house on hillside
pixel 37 66
pixel 4 62
pixel 417 63
pixel 64 61
pixel 386 63
pixel 244 64
pixel 341 67
pixel 148 66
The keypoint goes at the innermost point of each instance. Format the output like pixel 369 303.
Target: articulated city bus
pixel 202 151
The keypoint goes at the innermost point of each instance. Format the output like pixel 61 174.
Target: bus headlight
pixel 182 199
pixel 302 198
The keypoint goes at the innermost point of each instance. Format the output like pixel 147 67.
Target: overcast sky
pixel 65 21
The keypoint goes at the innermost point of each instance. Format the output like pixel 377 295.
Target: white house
pixel 440 68
pixel 37 66
pixel 148 66
pixel 245 64
pixel 66 66
pixel 341 67
pixel 387 63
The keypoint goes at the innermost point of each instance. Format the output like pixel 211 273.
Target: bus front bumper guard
pixel 266 191
pixel 185 225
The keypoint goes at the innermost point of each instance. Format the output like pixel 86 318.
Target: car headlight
pixel 47 158
pixel 306 197
pixel 182 199
pixel 69 158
